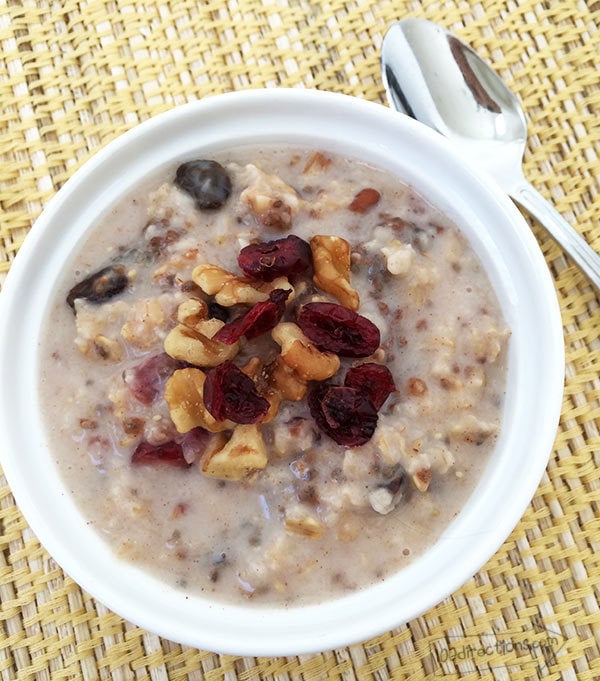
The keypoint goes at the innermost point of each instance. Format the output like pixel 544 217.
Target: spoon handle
pixel 562 232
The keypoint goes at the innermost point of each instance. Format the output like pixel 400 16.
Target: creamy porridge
pixel 273 375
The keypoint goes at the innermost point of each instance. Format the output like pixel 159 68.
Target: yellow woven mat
pixel 76 73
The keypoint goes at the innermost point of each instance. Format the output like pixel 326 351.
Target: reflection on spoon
pixel 433 77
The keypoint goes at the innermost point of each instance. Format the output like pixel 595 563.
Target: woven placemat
pixel 74 74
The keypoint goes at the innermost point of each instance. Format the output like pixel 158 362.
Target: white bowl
pixel 354 128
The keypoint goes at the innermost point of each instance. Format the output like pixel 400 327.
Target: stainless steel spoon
pixel 432 76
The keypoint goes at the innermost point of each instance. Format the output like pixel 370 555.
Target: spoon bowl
pixel 430 75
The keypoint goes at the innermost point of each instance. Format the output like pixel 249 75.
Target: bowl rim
pixel 260 115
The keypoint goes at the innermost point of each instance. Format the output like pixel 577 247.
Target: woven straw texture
pixel 74 74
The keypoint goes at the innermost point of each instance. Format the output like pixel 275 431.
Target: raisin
pixel 169 453
pixel 146 380
pixel 372 380
pixel 334 328
pixel 365 199
pixel 230 394
pixel 271 259
pixel 207 182
pixel 262 317
pixel 343 413
pixel 100 286
pixel 216 311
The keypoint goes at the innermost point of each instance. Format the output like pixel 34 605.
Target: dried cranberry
pixel 170 453
pixel 262 317
pixel 333 328
pixel 230 394
pixel 146 380
pixel 372 380
pixel 193 443
pixel 345 414
pixel 271 259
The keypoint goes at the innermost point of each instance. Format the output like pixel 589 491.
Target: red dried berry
pixel 262 317
pixel 345 414
pixel 333 328
pixel 271 259
pixel 365 199
pixel 193 443
pixel 170 453
pixel 374 381
pixel 230 394
pixel 146 380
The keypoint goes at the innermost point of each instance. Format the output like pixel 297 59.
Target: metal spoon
pixel 432 76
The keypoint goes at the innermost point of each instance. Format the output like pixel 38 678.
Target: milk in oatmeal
pixel 310 500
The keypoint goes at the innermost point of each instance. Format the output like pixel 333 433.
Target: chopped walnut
pixel 242 455
pixel 184 397
pixel 301 355
pixel 195 347
pixel 229 289
pixel 191 312
pixel 331 260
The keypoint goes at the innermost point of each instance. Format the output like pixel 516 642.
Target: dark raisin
pixel 146 380
pixel 372 380
pixel 206 181
pixel 333 328
pixel 343 413
pixel 216 311
pixel 271 259
pixel 169 453
pixel 100 286
pixel 230 394
pixel 262 317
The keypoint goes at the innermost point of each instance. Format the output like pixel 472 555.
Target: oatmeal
pixel 273 374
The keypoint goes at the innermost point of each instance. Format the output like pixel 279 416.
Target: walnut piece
pixel 184 397
pixel 191 312
pixel 301 355
pixel 331 260
pixel 193 346
pixel 242 455
pixel 229 289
